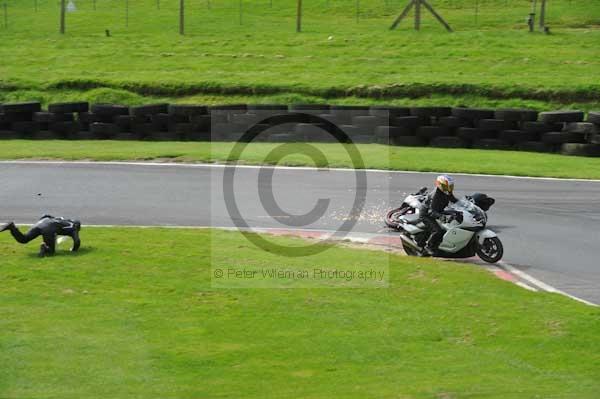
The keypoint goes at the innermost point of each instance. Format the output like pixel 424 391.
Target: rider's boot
pixel 429 250
pixel 44 250
pixel 6 226
pixel 431 247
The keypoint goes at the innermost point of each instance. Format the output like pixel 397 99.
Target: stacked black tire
pixel 565 132
pixel 28 121
pixel 156 122
pixel 581 138
pixel 462 127
pixel 79 121
pixel 232 123
pixel 502 129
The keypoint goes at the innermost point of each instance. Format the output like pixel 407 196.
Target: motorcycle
pixel 464 223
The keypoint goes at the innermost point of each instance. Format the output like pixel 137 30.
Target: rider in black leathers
pixel 435 205
pixel 49 228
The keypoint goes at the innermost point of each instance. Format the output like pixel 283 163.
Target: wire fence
pixel 201 16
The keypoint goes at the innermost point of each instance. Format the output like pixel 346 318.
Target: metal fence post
pixel 417 14
pixel 299 16
pixel 127 13
pixel 62 17
pixel 531 21
pixel 543 15
pixel 241 11
pixel 181 17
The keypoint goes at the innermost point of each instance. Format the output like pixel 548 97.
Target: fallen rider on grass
pixel 49 227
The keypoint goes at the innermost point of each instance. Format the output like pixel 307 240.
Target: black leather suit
pixel 49 228
pixel 435 205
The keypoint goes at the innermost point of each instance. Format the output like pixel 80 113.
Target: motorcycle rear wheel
pixel 491 251
pixel 391 218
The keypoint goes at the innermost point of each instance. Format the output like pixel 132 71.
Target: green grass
pixel 373 156
pixel 491 58
pixel 121 96
pixel 138 318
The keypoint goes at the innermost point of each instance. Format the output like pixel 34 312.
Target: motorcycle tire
pixel 391 216
pixel 485 252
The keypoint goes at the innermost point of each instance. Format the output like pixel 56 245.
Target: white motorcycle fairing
pixel 455 240
pixel 483 234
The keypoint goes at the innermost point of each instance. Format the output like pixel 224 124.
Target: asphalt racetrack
pixel 550 228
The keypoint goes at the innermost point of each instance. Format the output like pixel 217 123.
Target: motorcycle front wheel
pixel 491 250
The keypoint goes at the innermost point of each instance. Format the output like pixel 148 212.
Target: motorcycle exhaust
pixel 410 242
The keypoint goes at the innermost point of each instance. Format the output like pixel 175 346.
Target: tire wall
pixel 566 132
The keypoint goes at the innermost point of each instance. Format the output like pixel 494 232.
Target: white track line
pixel 542 285
pixel 219 165
pixel 526 286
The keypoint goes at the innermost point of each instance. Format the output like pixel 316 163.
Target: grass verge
pixel 126 97
pixel 374 156
pixel 249 47
pixel 134 315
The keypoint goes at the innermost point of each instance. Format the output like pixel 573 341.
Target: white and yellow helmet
pixel 445 184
